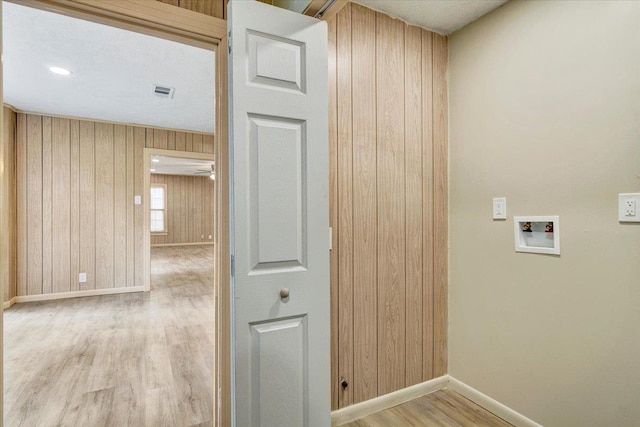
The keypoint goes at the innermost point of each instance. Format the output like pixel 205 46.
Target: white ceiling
pixel 113 72
pixel 441 16
pixel 180 166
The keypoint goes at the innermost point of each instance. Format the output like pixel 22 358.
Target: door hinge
pixel 229 42
pixel 233 266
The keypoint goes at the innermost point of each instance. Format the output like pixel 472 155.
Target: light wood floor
pixel 142 359
pixel 444 408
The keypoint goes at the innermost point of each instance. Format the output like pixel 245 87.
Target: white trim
pixel 8 304
pixel 491 405
pixel 368 407
pixel 76 294
pixel 162 245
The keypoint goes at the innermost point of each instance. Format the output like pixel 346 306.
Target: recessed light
pixel 59 70
pixel 155 160
pixel 152 170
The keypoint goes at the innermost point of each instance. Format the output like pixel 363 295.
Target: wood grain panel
pixel 120 205
pixel 427 204
pixel 391 206
pixel 88 205
pixel 333 211
pixel 88 173
pixel 181 141
pixel 138 177
pixel 47 194
pixel 440 208
pixel 207 7
pixel 22 186
pixel 345 205
pixel 413 204
pixel 365 381
pixel 160 138
pixel 198 145
pixel 171 140
pixel 34 203
pixel 74 205
pixel 390 176
pixel 208 143
pixel 61 207
pixel 105 232
pixel 131 207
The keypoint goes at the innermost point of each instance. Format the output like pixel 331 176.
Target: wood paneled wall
pixel 216 8
pixel 76 181
pixel 388 150
pixel 189 209
pixel 8 252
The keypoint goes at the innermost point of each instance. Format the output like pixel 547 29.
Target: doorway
pixel 103 391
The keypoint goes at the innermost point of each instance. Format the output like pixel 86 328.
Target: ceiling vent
pixel 163 91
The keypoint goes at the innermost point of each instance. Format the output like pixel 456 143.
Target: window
pixel 158 199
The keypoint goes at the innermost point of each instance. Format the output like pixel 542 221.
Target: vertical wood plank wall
pixel 8 260
pixel 189 209
pixel 216 8
pixel 388 204
pixel 76 181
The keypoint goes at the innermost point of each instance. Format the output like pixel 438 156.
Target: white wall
pixel 545 110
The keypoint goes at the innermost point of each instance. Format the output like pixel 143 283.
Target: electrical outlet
pixel 627 207
pixel 500 208
pixel 82 277
pixel 210 237
pixel 630 207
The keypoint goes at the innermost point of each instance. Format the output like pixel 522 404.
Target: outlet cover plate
pixel 623 207
pixel 500 208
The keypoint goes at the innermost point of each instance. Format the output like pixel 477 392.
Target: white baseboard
pixel 76 294
pixel 9 303
pixel 491 405
pixel 162 245
pixel 368 407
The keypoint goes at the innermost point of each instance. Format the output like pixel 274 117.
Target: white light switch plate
pixel 629 207
pixel 137 200
pixel 500 208
pixel 82 277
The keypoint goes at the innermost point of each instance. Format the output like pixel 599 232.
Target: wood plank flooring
pixel 140 359
pixel 444 408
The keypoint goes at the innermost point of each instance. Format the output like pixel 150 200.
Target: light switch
pixel 82 277
pixel 500 208
pixel 628 205
pixel 137 200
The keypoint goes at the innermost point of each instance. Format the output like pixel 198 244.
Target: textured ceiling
pixel 180 166
pixel 113 72
pixel 441 16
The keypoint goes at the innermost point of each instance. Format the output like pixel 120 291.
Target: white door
pixel 280 220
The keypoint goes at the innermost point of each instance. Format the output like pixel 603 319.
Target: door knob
pixel 284 293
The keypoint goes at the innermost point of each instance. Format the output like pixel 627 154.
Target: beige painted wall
pixel 545 110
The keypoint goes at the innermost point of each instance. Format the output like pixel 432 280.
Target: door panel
pixel 279 209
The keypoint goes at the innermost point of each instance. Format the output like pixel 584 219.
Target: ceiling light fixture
pixel 152 170
pixel 155 160
pixel 59 70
